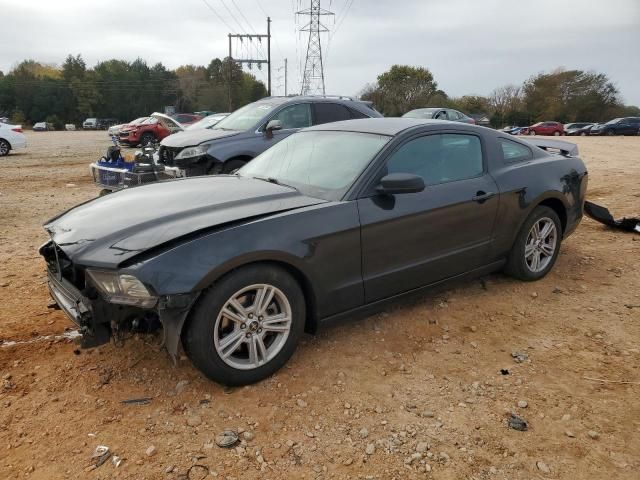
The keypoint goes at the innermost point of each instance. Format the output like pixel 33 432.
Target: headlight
pixel 122 288
pixel 190 152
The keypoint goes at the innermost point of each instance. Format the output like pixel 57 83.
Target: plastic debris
pixel 602 215
pixel 227 439
pixel 520 357
pixel 116 461
pixel 101 454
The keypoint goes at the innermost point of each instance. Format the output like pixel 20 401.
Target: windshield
pixel 420 114
pixel 615 120
pixel 322 164
pixel 206 122
pixel 246 117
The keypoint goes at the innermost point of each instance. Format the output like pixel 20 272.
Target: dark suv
pixel 247 132
pixel 618 126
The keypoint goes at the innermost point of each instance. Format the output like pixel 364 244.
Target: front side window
pixel 453 115
pixel 513 152
pixel 439 158
pixel 294 116
pixel 321 164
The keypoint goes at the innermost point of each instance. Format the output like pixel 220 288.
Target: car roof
pixel 310 98
pixel 381 126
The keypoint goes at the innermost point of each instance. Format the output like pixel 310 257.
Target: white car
pixel 11 137
pixel 70 127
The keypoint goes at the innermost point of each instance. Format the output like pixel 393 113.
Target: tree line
pixel 35 92
pixel 561 95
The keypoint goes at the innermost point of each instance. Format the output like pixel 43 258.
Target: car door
pixel 414 239
pixel 292 118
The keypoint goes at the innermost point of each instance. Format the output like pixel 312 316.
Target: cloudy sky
pixel 471 46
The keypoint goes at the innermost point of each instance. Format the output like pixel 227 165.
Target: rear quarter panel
pixel 524 185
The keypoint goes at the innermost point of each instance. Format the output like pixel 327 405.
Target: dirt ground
pixel 414 392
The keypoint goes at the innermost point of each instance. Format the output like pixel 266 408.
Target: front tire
pixel 537 245
pixel 5 148
pixel 531 132
pixel 147 138
pixel 246 326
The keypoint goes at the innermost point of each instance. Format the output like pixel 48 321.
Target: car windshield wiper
pixel 274 180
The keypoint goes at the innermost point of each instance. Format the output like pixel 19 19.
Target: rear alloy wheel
pixel 556 133
pixel 246 326
pixel 531 132
pixel 537 246
pixel 5 148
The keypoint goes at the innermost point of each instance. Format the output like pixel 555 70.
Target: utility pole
pixel 285 77
pixel 229 77
pixel 250 61
pixel 313 77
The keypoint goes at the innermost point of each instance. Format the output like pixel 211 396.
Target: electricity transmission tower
pixel 313 76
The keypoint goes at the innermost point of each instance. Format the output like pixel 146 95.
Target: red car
pixel 186 119
pixel 545 128
pixel 153 129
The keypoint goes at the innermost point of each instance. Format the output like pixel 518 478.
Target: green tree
pixel 402 88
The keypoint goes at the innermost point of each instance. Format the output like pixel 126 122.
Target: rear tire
pixel 246 326
pixel 610 133
pixel 5 148
pixel 556 134
pixel 232 165
pixel 528 246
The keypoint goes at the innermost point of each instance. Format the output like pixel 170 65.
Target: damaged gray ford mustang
pixel 332 222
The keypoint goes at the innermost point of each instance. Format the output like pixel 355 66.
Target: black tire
pixel 103 192
pixel 517 265
pixel 232 165
pixel 5 148
pixel 199 331
pixel 147 138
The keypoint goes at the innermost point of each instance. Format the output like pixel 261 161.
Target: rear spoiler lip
pixel 567 149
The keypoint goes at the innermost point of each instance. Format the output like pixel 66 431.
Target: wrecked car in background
pixel 153 129
pixel 332 221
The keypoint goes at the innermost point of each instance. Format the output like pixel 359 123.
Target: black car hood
pixel 190 138
pixel 111 229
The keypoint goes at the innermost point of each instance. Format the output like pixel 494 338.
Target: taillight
pixel 17 129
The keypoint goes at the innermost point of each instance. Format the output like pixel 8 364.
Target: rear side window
pixel 439 158
pixel 356 114
pixel 330 112
pixel 513 152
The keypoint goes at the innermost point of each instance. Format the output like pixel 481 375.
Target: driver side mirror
pixel 271 126
pixel 396 183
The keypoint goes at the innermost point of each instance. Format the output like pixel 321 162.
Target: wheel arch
pixel 311 320
pixel 8 142
pixel 557 206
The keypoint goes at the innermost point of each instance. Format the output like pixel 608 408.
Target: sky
pixel 470 46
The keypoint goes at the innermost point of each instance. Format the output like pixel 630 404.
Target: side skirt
pixel 375 307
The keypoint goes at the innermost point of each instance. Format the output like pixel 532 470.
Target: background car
pixel 153 129
pixel 249 131
pixel 11 137
pixel 105 123
pixel 70 127
pixel 90 124
pixel 617 126
pixel 434 113
pixel 333 221
pixel 579 128
pixel 546 128
pixel 207 122
pixel 115 130
pixel 512 130
pixel 42 127
pixel 186 119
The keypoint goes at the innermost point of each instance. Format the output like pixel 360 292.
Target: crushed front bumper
pixel 69 299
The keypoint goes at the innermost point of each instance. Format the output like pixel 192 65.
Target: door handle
pixel 482 196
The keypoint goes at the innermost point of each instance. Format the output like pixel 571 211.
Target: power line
pixel 217 14
pixel 313 77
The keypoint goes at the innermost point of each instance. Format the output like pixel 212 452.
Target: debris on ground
pixel 602 215
pixel 520 357
pixel 203 472
pixel 227 439
pixel 137 401
pixel 517 423
pixel 100 455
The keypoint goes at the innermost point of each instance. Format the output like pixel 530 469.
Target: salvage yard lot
pixel 361 400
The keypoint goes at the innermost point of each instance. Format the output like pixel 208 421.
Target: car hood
pixel 109 230
pixel 189 138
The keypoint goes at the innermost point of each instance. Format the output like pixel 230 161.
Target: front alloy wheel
pixel 252 326
pixel 4 148
pixel 246 325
